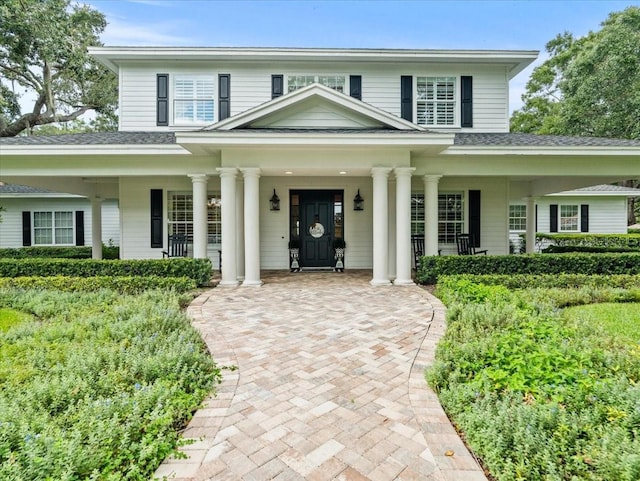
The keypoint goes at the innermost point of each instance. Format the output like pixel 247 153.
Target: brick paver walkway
pixel 329 385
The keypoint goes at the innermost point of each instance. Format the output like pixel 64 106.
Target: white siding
pixel 251 86
pixel 607 215
pixel 11 226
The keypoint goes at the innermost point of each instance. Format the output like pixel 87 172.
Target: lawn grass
pixel 621 320
pixel 100 387
pixel 10 318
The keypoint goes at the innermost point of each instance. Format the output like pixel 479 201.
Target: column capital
pixel 432 178
pixel 380 171
pixel 403 171
pixel 227 171
pixel 198 177
pixel 251 172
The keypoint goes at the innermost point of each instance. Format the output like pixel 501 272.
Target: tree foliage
pixel 589 86
pixel 43 50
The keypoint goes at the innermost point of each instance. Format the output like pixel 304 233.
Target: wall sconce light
pixel 214 202
pixel 275 201
pixel 358 202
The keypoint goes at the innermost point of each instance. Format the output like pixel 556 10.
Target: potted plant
pixel 339 245
pixel 294 255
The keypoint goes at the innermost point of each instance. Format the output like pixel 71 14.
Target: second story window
pixel 335 82
pixel 193 99
pixel 436 101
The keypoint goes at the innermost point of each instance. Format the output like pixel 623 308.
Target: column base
pixel 247 283
pixel 228 284
pixel 380 282
pixel 403 282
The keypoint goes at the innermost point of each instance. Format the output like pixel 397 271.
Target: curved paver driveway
pixel 329 385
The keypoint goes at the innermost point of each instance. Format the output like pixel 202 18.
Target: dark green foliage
pixel 125 285
pixel 619 241
pixel 432 267
pixel 108 252
pixel 197 269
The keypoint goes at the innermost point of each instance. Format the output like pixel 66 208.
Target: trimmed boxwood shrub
pixel 593 240
pixel 433 266
pixel 52 252
pixel 197 269
pixel 125 285
pixel 553 249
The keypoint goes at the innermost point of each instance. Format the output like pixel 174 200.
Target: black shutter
pixel 26 228
pixel 79 227
pixel 406 97
pixel 162 92
pixel 584 218
pixel 536 218
pixel 355 86
pixel 156 217
pixel 553 218
pixel 277 86
pixel 224 96
pixel 474 216
pixel 466 114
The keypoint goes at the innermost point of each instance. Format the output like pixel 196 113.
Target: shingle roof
pixel 22 189
pixel 531 140
pixel 607 188
pixel 95 138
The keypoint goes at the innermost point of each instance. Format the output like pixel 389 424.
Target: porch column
pixel 530 236
pixel 251 227
pixel 380 226
pixel 228 212
pixel 431 214
pixel 403 225
pixel 96 228
pixel 199 186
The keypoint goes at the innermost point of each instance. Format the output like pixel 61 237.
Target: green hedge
pixel 553 249
pixel 197 269
pixel 108 252
pixel 593 240
pixel 433 266
pixel 527 281
pixel 125 285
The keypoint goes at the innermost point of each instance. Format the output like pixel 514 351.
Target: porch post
pixel 403 225
pixel 251 227
pixel 96 228
pixel 530 236
pixel 380 226
pixel 199 186
pixel 228 212
pixel 431 214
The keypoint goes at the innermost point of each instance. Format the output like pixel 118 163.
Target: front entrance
pixel 316 221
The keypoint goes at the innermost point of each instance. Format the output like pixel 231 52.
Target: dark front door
pixel 316 225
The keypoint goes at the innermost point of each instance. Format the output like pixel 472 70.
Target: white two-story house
pixel 246 149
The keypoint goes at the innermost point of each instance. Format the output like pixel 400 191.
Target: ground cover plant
pixel 539 395
pixel 96 385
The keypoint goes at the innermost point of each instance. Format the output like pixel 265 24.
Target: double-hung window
pixel 569 218
pixel 53 228
pixel 450 216
pixel 518 217
pixel 180 213
pixel 436 101
pixel 335 82
pixel 193 99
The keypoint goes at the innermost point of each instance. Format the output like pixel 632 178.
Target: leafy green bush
pixel 98 385
pixel 553 249
pixel 431 267
pixel 108 252
pixel 633 231
pixel 197 269
pixel 536 396
pixel 123 284
pixel 593 240
pixel 527 281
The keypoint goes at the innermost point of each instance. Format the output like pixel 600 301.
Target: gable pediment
pixel 314 107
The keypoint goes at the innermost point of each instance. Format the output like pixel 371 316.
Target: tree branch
pixel 33 119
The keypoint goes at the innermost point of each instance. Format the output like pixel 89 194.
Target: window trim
pixel 457 100
pixel 172 103
pixel 52 229
pixel 415 223
pixel 577 217
pixel 189 213
pixel 346 85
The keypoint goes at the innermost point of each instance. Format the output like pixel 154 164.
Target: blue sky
pixel 470 24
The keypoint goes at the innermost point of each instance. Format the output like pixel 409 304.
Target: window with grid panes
pixel 180 213
pixel 417 214
pixel 450 217
pixel 335 82
pixel 193 99
pixel 569 218
pixel 518 217
pixel 53 228
pixel 436 101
